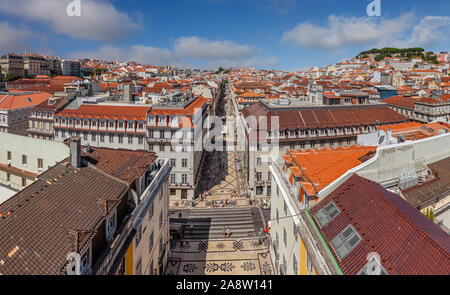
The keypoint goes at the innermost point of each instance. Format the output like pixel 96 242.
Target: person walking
pixel 224 232
pixel 260 235
pixel 228 232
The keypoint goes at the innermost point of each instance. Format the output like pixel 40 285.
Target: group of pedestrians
pixel 263 234
pixel 222 203
pixel 200 197
pixel 226 232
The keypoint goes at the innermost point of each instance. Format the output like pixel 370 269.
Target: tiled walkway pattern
pixel 220 257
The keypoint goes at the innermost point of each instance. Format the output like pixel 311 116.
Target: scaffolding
pixel 408 178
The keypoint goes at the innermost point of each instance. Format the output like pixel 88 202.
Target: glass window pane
pixel 342 251
pixel 336 242
pixel 320 214
pixel 329 207
pixel 353 241
pixel 347 232
pixel 323 221
pixel 334 213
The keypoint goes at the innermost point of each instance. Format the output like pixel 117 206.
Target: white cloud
pixel 203 49
pixel 99 19
pixel 205 53
pixel 341 31
pixel 430 30
pixel 13 39
pixel 403 31
pixel 142 54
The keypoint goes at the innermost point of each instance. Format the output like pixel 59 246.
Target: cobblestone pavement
pixel 219 176
pixel 220 257
pixel 204 249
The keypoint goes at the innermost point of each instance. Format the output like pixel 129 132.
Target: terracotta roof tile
pixel 10 101
pixel 407 242
pixel 119 112
pixel 322 167
pixel 63 199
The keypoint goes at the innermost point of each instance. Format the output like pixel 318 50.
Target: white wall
pixel 50 152
pixel 391 161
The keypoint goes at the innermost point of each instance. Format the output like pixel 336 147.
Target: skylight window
pixel 345 242
pixel 326 214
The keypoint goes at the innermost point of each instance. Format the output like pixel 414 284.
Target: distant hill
pixel 405 53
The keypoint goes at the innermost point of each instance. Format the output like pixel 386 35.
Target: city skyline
pixel 207 34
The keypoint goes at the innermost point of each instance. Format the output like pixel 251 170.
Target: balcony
pixel 180 185
pixel 162 140
pixel 40 131
pixel 260 182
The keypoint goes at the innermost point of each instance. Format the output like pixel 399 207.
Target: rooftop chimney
pixel 75 152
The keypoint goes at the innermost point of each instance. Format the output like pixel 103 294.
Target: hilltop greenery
pixel 222 70
pixel 391 50
pixel 406 53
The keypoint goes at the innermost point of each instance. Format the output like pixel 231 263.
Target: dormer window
pixel 326 214
pixel 345 242
pixel 111 225
pixel 85 263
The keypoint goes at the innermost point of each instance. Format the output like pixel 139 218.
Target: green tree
pixel 10 78
pixel 432 217
pixel 98 71
pixel 429 213
pixel 379 57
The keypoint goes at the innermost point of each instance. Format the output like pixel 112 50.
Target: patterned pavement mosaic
pixel 220 257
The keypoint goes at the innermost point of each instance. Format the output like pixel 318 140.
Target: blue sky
pixel 271 34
